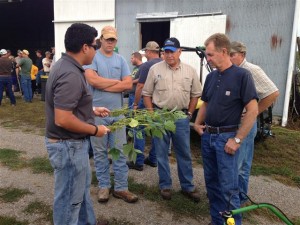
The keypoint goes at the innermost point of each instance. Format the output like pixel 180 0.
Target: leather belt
pixel 218 130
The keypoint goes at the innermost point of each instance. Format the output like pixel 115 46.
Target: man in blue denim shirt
pixel 227 91
pixel 69 121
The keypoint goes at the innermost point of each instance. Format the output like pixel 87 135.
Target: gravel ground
pixel 262 189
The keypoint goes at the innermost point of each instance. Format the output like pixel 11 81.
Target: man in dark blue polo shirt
pixel 227 91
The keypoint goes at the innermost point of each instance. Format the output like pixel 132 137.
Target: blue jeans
pixel 70 161
pixel 100 146
pixel 181 141
pixel 26 88
pixel 221 176
pixel 245 162
pixel 7 82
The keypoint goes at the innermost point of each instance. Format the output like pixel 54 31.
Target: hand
pixel 102 130
pixel 135 107
pixel 231 146
pixel 199 128
pixel 101 111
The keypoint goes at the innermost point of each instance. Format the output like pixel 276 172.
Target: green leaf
pixel 134 123
pixel 139 135
pixel 157 133
pixel 127 148
pixel 170 125
pixel 115 153
pixel 138 151
pixel 130 133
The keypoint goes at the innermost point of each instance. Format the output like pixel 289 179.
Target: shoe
pixel 194 195
pixel 102 222
pixel 166 194
pixel 127 196
pixel 149 163
pixel 132 165
pixel 103 195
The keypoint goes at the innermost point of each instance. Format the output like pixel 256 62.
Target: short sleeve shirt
pixel 67 89
pixel 172 88
pixel 25 64
pixel 227 93
pixel 114 67
pixel 144 69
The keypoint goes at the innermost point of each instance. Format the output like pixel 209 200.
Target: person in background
pixel 47 63
pixel 69 122
pixel 25 64
pixel 33 74
pixel 5 77
pixel 53 57
pixel 136 61
pixel 109 77
pixel 227 91
pixel 267 94
pixel 173 84
pixel 39 64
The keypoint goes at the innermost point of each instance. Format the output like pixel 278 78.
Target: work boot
pixel 103 195
pixel 194 195
pixel 126 195
pixel 148 162
pixel 132 165
pixel 166 194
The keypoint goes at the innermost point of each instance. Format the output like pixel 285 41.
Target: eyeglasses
pixel 94 46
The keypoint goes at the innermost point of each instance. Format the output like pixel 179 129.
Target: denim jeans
pixel 26 88
pixel 7 82
pixel 181 141
pixel 221 176
pixel 101 145
pixel 245 162
pixel 70 161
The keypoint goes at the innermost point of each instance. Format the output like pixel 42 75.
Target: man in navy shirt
pixel 227 91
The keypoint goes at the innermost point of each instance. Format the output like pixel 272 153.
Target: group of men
pixel 76 112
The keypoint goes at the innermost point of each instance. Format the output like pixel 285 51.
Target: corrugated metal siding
pixel 96 13
pixel 264 26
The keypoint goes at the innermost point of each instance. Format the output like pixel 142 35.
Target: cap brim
pixel 173 49
pixel 107 36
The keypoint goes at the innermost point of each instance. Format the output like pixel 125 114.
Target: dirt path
pixel 262 189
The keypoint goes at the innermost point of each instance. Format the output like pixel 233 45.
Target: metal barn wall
pixel 264 26
pixel 95 13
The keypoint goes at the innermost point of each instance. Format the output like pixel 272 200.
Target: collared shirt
pixel 226 94
pixel 170 88
pixel 263 84
pixel 67 90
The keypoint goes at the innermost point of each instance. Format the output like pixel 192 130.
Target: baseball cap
pixel 39 51
pixel 3 52
pixel 171 44
pixel 237 47
pixel 19 51
pixel 25 52
pixel 152 46
pixel 109 32
pixel 47 52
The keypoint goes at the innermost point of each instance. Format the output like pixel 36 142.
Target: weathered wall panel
pixel 264 26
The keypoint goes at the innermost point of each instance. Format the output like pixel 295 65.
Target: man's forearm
pixel 192 105
pixel 97 81
pixel 148 103
pixel 264 103
pixel 120 87
pixel 138 93
pixel 201 114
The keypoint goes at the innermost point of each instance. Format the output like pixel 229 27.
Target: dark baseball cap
pixel 39 51
pixel 171 44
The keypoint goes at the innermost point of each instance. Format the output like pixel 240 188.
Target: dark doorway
pixel 26 24
pixel 155 31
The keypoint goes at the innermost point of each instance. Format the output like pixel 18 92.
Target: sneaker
pixel 149 163
pixel 194 195
pixel 127 196
pixel 103 195
pixel 166 194
pixel 133 166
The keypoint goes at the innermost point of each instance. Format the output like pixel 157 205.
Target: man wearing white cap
pixel 5 77
pixel 25 64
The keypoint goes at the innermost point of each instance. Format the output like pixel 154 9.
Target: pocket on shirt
pixel 187 83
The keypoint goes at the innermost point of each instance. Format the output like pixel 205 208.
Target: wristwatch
pixel 189 114
pixel 237 140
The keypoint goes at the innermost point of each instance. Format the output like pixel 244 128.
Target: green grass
pixel 38 207
pixel 40 165
pixel 12 194
pixel 7 220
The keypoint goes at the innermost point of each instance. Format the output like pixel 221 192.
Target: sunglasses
pixel 94 46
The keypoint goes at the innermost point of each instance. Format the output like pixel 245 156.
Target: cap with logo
pixel 3 52
pixel 109 32
pixel 25 52
pixel 152 46
pixel 237 47
pixel 171 44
